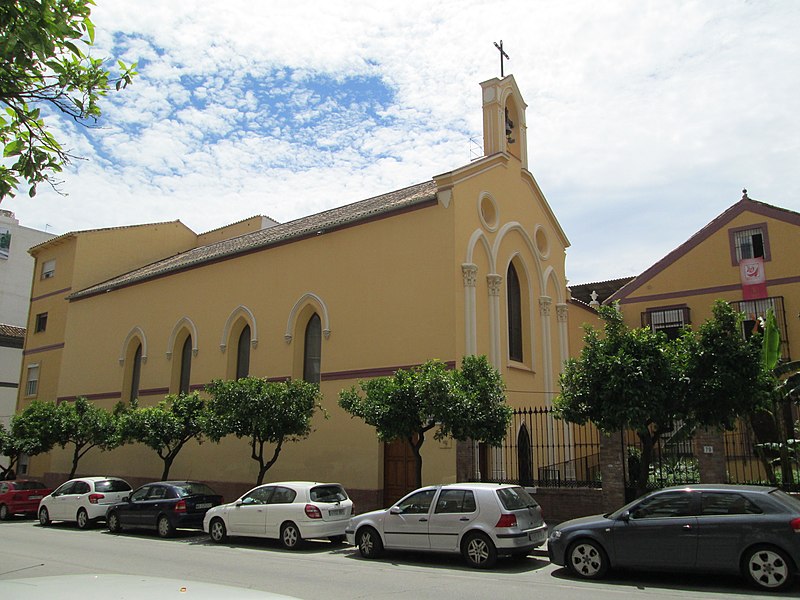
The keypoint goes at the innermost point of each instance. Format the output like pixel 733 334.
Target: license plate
pixel 336 512
pixel 204 505
pixel 34 497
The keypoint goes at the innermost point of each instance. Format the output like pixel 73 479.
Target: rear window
pixel 194 489
pixel 786 499
pixel 29 485
pixel 516 498
pixel 328 493
pixel 112 485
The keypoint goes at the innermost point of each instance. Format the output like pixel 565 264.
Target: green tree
pixel 35 428
pixel 45 68
pixel 465 404
pixel 82 425
pixel 265 412
pixel 624 379
pixel 639 379
pixel 10 448
pixel 165 427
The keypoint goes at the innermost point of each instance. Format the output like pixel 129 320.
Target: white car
pixel 478 520
pixel 84 500
pixel 290 511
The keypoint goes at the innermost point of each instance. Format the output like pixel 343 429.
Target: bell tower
pixel 504 128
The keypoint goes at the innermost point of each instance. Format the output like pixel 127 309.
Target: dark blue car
pixel 751 530
pixel 164 506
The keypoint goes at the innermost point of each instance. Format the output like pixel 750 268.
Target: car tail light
pixel 352 509
pixel 95 498
pixel 795 523
pixel 507 521
pixel 180 506
pixel 312 512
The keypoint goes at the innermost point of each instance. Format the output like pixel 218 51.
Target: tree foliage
pixel 81 425
pixel 465 404
pixel 165 427
pixel 639 379
pixel 10 448
pixel 45 68
pixel 265 412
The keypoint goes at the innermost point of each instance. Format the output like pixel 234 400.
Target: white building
pixel 16 273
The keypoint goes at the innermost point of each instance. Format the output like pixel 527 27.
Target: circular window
pixel 542 243
pixel 488 212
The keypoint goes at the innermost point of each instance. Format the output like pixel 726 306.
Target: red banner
pixel 754 280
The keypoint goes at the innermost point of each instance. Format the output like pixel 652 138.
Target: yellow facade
pixel 683 286
pixel 412 275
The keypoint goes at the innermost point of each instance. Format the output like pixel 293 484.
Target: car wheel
pixel 337 539
pixel 217 531
pixel 369 542
pixel 587 559
pixel 44 517
pixel 768 568
pixel 82 519
pixel 479 551
pixel 113 523
pixel 290 536
pixel 165 528
pixel 4 514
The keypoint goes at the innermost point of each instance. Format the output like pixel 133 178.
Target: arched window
pixel 136 373
pixel 186 365
pixel 243 354
pixel 514 315
pixel 312 350
pixel 524 456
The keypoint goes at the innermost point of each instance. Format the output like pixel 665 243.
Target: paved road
pixel 324 571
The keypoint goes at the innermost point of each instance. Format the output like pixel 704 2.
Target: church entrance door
pixel 398 471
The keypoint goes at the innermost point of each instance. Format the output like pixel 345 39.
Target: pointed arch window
pixel 136 373
pixel 243 354
pixel 514 297
pixel 186 365
pixel 312 350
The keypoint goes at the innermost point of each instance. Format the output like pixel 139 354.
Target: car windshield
pixel 515 498
pixel 328 493
pixel 192 488
pixel 29 485
pixel 112 485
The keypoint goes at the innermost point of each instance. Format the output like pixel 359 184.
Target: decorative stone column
pixel 469 272
pixel 494 281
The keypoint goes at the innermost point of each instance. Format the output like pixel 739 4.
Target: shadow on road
pixel 688 582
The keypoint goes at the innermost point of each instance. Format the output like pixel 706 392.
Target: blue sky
pixel 645 119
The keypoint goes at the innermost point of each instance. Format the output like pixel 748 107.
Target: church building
pixel 468 262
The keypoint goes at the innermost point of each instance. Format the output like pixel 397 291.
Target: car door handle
pixel 464 519
pixel 422 520
pixel 687 526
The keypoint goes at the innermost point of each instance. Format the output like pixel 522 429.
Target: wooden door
pixel 398 471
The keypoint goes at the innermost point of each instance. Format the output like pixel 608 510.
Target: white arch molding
pixel 183 322
pixel 308 298
pixel 247 314
pixel 136 332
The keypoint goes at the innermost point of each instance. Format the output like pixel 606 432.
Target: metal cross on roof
pixel 502 55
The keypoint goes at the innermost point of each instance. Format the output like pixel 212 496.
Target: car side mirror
pixel 396 510
pixel 625 516
pixel 126 498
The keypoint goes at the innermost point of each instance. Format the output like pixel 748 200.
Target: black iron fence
pixel 761 463
pixel 541 450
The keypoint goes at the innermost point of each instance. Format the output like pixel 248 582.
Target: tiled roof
pixel 604 289
pixel 63 236
pixel 311 225
pixel 11 331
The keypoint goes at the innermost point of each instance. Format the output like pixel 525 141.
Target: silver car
pixel 481 521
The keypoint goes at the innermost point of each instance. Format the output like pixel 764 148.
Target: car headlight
pixel 555 535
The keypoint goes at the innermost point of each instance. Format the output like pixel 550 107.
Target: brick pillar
pixel 465 460
pixel 709 448
pixel 612 465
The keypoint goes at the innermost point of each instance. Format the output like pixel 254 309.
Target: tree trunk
pixel 648 443
pixel 264 467
pixel 416 447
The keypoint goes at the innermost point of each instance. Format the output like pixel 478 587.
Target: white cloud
pixel 645 119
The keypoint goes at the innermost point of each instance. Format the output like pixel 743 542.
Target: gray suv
pixel 481 521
